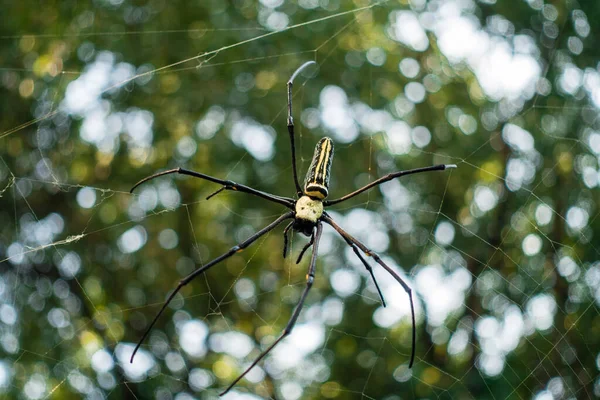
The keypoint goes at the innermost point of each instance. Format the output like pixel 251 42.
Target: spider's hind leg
pixel 368 267
pixel 310 277
pixel 348 238
pixel 306 247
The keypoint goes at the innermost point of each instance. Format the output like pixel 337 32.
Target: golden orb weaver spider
pixel 307 214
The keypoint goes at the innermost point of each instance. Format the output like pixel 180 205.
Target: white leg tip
pixel 450 166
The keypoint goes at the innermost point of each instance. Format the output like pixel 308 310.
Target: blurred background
pixel 502 252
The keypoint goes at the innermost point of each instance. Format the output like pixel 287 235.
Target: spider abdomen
pixel 316 184
pixel 309 209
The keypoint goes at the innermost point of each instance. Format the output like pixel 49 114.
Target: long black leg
pixel 306 246
pixel 205 267
pixel 387 178
pixel 290 124
pixel 379 261
pixel 227 185
pixel 286 238
pixel 310 277
pixel 368 267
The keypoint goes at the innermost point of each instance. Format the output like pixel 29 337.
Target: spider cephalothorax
pixel 307 213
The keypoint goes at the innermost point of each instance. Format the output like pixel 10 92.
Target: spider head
pixel 316 184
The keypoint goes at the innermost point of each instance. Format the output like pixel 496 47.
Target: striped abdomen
pixel 316 184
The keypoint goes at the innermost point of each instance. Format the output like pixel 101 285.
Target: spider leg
pixel 216 192
pixel 290 123
pixel 309 281
pixel 306 246
pixel 286 239
pixel 379 261
pixel 227 185
pixel 387 178
pixel 205 267
pixel 367 266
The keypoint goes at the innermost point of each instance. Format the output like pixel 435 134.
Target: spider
pixel 307 216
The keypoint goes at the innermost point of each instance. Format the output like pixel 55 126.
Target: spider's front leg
pixel 227 185
pixel 290 124
pixel 389 177
pixel 310 277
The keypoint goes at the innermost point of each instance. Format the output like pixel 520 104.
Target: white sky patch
pixel 70 264
pixel 398 302
pixel 132 240
pixel 399 137
pixel 577 218
pixel 148 198
pixel 140 367
pixel 345 282
pixel 245 289
pixel 168 195
pixel 137 126
pixel 102 361
pixel 174 361
pixel 485 198
pixel 5 375
pixel 421 136
pixel 336 114
pixel 210 123
pixel 235 395
pixel 504 69
pixel 541 310
pixel 192 337
pixel 271 3
pixel 405 28
pixel 186 146
pixel 518 138
pixel 199 379
pixel 291 390
pixel 519 171
pixel 371 121
pixel 8 314
pixel 256 138
pixel 459 341
pixel 304 339
pixel 376 56
pixel 568 268
pixel 168 239
pixel 36 387
pixel 236 344
pixel 521 166
pixel 591 83
pixel 84 92
pixel 34 233
pixel 332 311
pixel 532 244
pixel 100 126
pixel 415 92
pixel 442 292
pixel 409 67
pixel 571 79
pixel 86 197
pixel 444 233
pixel 498 337
pixel 543 214
pixel 368 227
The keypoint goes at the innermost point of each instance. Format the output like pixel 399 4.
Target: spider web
pixel 487 308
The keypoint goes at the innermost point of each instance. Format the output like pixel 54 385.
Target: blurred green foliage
pixel 71 288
